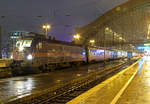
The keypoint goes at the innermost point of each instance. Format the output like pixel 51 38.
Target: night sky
pixel 63 15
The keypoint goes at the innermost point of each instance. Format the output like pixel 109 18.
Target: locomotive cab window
pixel 23 43
pixel 27 43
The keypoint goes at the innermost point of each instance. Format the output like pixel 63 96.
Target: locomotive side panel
pixel 59 53
pixel 49 53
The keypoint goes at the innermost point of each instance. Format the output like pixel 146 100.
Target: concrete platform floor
pixel 110 90
pixel 138 91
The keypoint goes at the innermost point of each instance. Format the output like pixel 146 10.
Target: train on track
pixel 34 54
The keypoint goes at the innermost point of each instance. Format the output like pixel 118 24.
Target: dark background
pixel 63 15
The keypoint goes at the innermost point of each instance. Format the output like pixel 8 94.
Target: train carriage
pixel 97 54
pixel 36 53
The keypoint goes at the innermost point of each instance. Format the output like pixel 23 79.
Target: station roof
pixel 130 20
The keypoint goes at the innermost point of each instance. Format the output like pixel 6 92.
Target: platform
pixel 124 88
pixel 5 63
pixel 138 92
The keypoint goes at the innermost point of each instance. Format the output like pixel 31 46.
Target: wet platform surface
pixel 21 86
pixel 138 91
pixel 106 92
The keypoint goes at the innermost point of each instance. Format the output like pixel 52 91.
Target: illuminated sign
pixel 143 48
pixel 147 44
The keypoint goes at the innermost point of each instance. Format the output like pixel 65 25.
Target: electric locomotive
pixel 35 53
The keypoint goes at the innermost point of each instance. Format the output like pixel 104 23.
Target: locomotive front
pixel 23 50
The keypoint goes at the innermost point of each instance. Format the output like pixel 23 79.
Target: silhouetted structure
pixel 0 42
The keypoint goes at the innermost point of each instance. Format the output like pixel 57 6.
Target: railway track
pixel 65 92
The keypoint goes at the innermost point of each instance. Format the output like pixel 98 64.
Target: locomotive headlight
pixel 11 57
pixel 29 57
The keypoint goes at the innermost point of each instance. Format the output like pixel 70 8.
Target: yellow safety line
pixel 116 98
pixel 123 89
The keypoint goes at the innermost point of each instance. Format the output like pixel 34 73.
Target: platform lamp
pixel 76 37
pixel 46 28
pixel 92 42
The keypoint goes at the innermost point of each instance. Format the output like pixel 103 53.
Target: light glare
pixel 77 36
pixel 92 41
pixel 21 48
pixel 29 57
